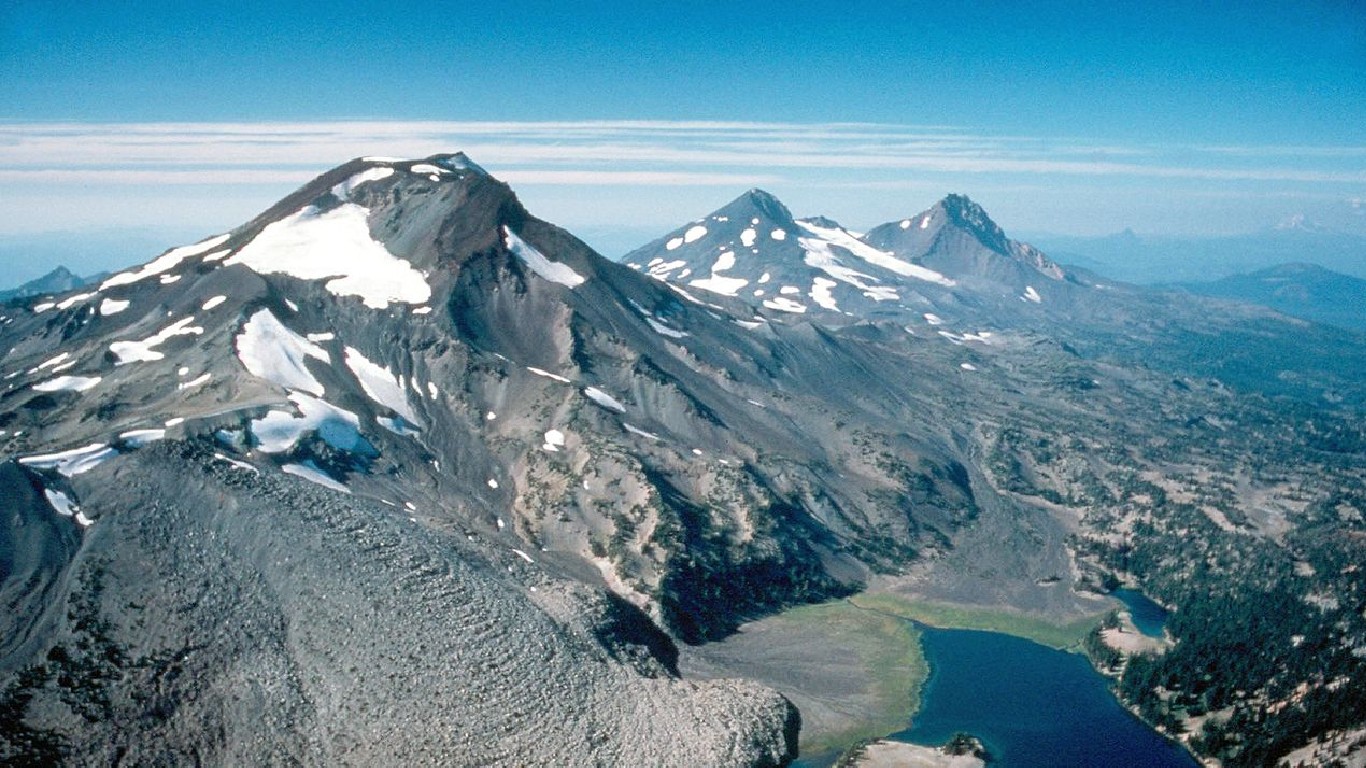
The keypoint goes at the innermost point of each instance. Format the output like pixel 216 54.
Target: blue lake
pixel 1149 617
pixel 1030 705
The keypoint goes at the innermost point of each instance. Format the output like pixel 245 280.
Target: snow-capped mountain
pixel 398 473
pixel 938 263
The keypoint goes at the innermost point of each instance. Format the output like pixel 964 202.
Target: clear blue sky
pixel 1076 117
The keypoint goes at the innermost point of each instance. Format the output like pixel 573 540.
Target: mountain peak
pixel 758 202
pixel 961 210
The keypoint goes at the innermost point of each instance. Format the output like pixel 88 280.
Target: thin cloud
pixel 617 152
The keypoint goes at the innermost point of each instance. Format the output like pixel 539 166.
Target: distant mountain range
pixel 1150 259
pixel 58 280
pixel 1306 291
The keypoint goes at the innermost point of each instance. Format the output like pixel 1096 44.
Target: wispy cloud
pixel 627 153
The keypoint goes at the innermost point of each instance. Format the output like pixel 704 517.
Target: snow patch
pixel 493 484
pixel 821 294
pixel 726 286
pixel 61 503
pixel 67 384
pixel 638 431
pixel 380 384
pixel 764 278
pixel 933 319
pixel 279 431
pixel 336 246
pixel 789 290
pixel 213 302
pixel 967 366
pixel 547 374
pixel 778 234
pixel 523 555
pixel 1032 295
pixel 312 473
pixel 196 381
pixel 343 190
pixel 164 262
pixel 820 256
pixel 603 399
pixel 554 440
pixel 550 270
pixel 321 336
pixel 674 242
pixel 664 330
pixel 137 438
pixel 270 351
pixel 145 350
pixel 724 261
pixel 72 301
pixel 748 237
pixel 113 306
pixel 73 462
pixel 784 305
pixel 906 224
pixel 168 279
pixel 694 233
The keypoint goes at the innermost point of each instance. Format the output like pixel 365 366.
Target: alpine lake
pixel 1030 704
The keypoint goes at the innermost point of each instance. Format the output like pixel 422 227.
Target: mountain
pixel 397 472
pixel 58 280
pixel 1301 290
pixel 939 263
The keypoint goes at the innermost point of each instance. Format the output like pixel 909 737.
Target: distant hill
pixel 1147 259
pixel 58 280
pixel 1306 291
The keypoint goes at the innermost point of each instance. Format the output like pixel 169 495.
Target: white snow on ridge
pixel 139 437
pixel 113 306
pixel 638 431
pixel 49 363
pixel 604 399
pixel 784 305
pixel 664 330
pixel 273 352
pixel 550 270
pixel 547 374
pixel 144 351
pixel 164 262
pixel 726 286
pixel 72 301
pixel 312 473
pixel 380 384
pixel 673 243
pixel 67 384
pixel 554 440
pixel 335 246
pixel 821 294
pixel 279 431
pixel 61 503
pixel 344 189
pixel 73 462
pixel 694 233
pixel 842 239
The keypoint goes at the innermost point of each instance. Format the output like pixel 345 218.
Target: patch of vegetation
pixel 948 616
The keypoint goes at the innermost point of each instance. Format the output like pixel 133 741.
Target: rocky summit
pixel 397 472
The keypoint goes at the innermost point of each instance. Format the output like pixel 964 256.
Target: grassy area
pixel 948 616
pixel 888 655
